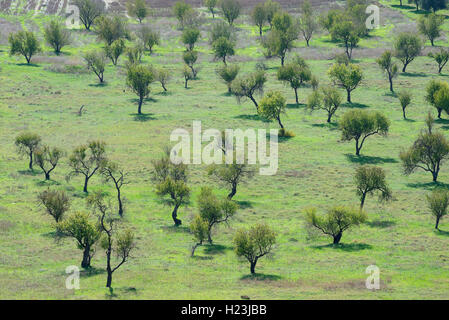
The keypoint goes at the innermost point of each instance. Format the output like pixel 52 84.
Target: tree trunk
pixel 233 192
pixel 296 95
pixel 391 84
pixel 337 238
pixel 209 235
pixel 307 41
pixel 139 110
pixel 175 216
pixel 253 266
pixel 437 223
pixel 47 176
pixel 404 67
pixel 120 204
pixel 255 102
pixel 362 200
pixel 86 181
pixel 357 148
pixel 260 31
pixel 439 113
pixel 86 258
pixel 403 113
pixel 163 87
pixel 329 117
pixel 349 95
pixel 435 176
pixel 282 60
pixel 30 164
pixel 431 42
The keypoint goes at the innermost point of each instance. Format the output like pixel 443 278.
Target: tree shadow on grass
pixel 202 258
pixel 29 173
pixel 27 65
pixel 404 6
pixel 349 247
pixel 369 159
pixel 215 249
pixel 261 277
pixel 92 271
pixel 409 120
pixel 295 105
pixel 381 224
pixel 143 117
pixel 98 85
pixel 330 126
pixel 244 204
pixel 442 121
pixel 254 117
pixel 428 185
pixel 176 229
pixel 48 183
pixel 415 75
pixel 442 233
pixel 354 105
pixel 164 93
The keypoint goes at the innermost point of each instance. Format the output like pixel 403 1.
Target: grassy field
pixel 315 169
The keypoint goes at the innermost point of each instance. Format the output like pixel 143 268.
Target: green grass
pixel 315 169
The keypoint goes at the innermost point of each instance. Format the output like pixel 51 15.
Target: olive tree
pixel 432 88
pixel 47 159
pixel 149 38
pixel 259 16
pixel 111 28
pixel 213 210
pixel 112 172
pixel 189 37
pixel 221 30
pixel 223 48
pixel 248 85
pixel 280 39
pixel 27 143
pixel 337 220
pixel 272 106
pixel 190 58
pixel 429 151
pixel 228 74
pixel 56 35
pixel 87 159
pixel 86 233
pixel 430 26
pixel 231 175
pixel 96 61
pixel 328 99
pixel 182 10
pixel 211 5
pixel 188 75
pixel 171 183
pixel 115 50
pixel 138 9
pixel 360 124
pixel 271 8
pixel 407 46
pixel 370 179
pixel 55 202
pixel 438 201
pixel 441 58
pixel 254 243
pixel 230 10
pixel 24 43
pixel 386 63
pixel 295 73
pixel 346 76
pixel 114 242
pixel 138 79
pixel 405 98
pixel 199 229
pixel 308 23
pixel 163 76
pixel 134 55
pixel 346 33
pixel 89 11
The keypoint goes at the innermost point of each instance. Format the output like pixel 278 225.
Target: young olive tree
pixel 163 76
pixel 89 11
pixel 247 86
pixel 199 229
pixel 221 30
pixel 441 58
pixel 360 124
pixel 86 233
pixel 369 179
pixel 295 73
pixel 259 16
pixel 113 242
pixel 190 37
pixel 223 48
pixel 430 26
pixel 115 50
pixel 47 159
pixel 188 75
pixel 272 106
pixel 182 10
pixel 337 220
pixel 55 202
pixel 428 152
pixel 149 38
pixel 405 98
pixel 271 8
pixel 138 9
pixel 138 79
pixel 228 74
pixel 438 201
pixel 230 10
pixel 346 33
pixel 96 61
pixel 254 243
pixel 87 160
pixel 308 23
pixel 386 63
pixel 407 46
pixel 56 35
pixel 231 175
pixel 171 184
pixel 190 58
pixel 329 100
pixel 346 76
pixel 111 28
pixel 27 143
pixel 432 88
pixel 134 55
pixel 211 5
pixel 24 43
pixel 213 210
pixel 112 172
